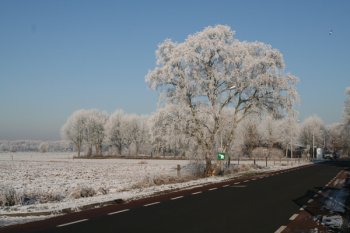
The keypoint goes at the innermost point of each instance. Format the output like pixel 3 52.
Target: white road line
pixel 311 200
pixel 154 203
pixel 117 212
pixel 70 223
pixel 237 183
pixel 279 230
pixel 316 195
pixel 226 185
pixel 174 198
pixel 196 193
pixel 293 217
pixel 245 181
pixel 213 189
pixel 301 209
pixel 254 179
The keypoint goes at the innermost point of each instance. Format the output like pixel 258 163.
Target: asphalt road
pixel 260 205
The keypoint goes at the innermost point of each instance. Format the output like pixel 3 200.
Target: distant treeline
pixel 35 146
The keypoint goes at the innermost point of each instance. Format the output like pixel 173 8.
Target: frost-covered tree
pixel 142 135
pixel 74 129
pixel 167 131
pixel 346 124
pixel 135 132
pixel 346 116
pixel 334 139
pixel 115 131
pixel 268 131
pixel 250 135
pixel 312 132
pixel 94 132
pixel 288 133
pixel 211 71
pixel 126 130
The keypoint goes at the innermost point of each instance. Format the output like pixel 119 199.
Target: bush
pixel 242 168
pixel 9 197
pixel 79 192
pixel 197 168
pixel 160 180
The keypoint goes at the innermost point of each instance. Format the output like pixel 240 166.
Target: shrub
pixel 8 197
pixel 160 180
pixel 79 192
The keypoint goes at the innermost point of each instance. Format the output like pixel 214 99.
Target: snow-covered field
pixel 47 183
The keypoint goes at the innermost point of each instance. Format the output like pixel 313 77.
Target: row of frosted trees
pixel 97 132
pixel 162 133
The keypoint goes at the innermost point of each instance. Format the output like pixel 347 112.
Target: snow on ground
pixel 337 200
pixel 6 220
pixel 335 221
pixel 50 182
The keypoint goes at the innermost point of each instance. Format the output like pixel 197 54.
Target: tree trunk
pixel 120 149
pixel 78 148
pixel 208 167
pixel 89 151
pixel 287 151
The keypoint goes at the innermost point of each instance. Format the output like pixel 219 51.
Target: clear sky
pixel 60 56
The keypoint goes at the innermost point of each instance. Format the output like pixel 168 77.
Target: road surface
pixel 256 204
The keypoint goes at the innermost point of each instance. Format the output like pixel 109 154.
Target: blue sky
pixel 60 56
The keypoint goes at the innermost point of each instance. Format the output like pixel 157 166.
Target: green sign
pixel 221 155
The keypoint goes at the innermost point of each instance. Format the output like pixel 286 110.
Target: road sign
pixel 221 155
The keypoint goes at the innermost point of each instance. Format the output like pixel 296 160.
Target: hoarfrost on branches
pixel 74 128
pixel 86 126
pixel 289 131
pixel 334 137
pixel 124 130
pixel 312 132
pixel 210 72
pixel 346 123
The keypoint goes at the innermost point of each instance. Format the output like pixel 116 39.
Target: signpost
pixel 221 156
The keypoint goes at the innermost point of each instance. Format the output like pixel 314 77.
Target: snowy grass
pixel 35 183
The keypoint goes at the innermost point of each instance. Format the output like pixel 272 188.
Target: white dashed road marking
pixel 311 200
pixel 279 230
pixel 293 217
pixel 213 189
pixel 196 193
pixel 237 183
pixel 226 185
pixel 174 198
pixel 117 212
pixel 154 203
pixel 71 223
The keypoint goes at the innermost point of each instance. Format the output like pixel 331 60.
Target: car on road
pixel 330 155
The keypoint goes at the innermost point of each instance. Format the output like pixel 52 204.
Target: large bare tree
pixel 211 71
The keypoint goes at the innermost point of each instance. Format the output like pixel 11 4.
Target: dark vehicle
pixel 330 155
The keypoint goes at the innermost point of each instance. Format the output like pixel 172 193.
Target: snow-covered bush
pixel 83 191
pixel 9 197
pixel 44 147
pixel 160 180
